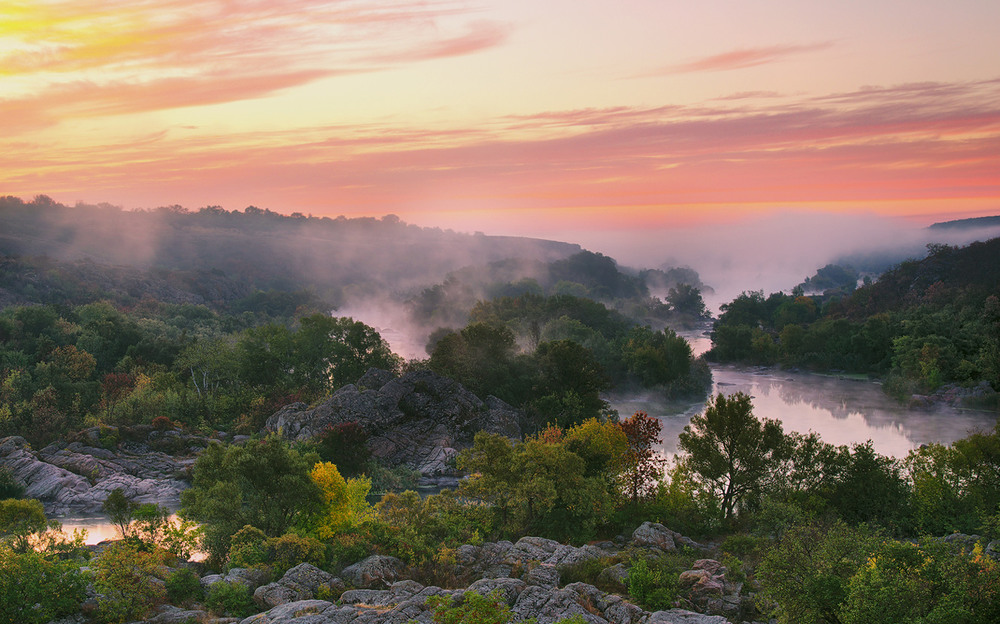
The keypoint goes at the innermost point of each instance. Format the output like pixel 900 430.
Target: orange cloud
pixel 920 144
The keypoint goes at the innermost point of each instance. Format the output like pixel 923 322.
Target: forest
pixel 920 326
pixel 749 522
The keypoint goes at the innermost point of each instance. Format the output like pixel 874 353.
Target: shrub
pixel 587 571
pixel 183 586
pixel 247 548
pixel 162 423
pixel 9 487
pixel 290 550
pixel 650 587
pixel 123 577
pixel 35 588
pixel 474 608
pixel 345 444
pixel 231 598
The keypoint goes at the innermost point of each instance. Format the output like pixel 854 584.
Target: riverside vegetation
pixel 567 520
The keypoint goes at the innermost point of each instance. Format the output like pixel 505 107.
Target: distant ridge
pixel 966 224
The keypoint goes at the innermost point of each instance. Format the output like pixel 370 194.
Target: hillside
pixel 258 248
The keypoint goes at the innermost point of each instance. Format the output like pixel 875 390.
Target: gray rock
pixel 615 576
pixel 543 575
pixel 509 588
pixel 376 571
pixel 77 478
pixel 420 420
pixel 170 614
pixel 251 578
pixel 654 535
pixel 300 612
pixel 993 549
pixel 680 616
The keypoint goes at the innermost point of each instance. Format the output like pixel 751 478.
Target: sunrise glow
pixel 507 117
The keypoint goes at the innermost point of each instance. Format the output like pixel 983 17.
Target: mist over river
pixel 841 411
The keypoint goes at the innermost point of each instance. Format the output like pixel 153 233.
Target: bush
pixel 9 487
pixel 345 444
pixel 247 548
pixel 35 588
pixel 586 571
pixel 474 608
pixel 290 550
pixel 123 576
pixel 183 586
pixel 231 598
pixel 651 587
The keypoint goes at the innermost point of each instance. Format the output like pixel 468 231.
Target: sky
pixel 580 120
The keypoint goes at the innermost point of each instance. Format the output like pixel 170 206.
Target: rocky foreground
pixel 526 574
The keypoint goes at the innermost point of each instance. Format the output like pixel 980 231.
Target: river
pixel 841 411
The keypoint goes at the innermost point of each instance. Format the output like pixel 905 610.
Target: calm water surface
pixel 841 411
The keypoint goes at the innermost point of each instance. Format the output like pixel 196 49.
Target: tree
pixel 806 573
pixel 20 520
pixel 656 357
pixel 642 465
pixel 331 352
pixel 731 451
pixel 345 504
pixel 567 384
pixel 121 511
pixel 536 487
pixel 686 299
pixel 264 484
pixel 36 587
pixel 123 576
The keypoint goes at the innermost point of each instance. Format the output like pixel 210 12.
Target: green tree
pixel 807 571
pixel 264 484
pixel 331 352
pixel 686 299
pixel 567 384
pixel 20 520
pixel 123 576
pixel 732 452
pixel 537 487
pixel 37 587
pixel 656 357
pixel 121 511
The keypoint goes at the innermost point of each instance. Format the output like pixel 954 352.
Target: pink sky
pixel 551 118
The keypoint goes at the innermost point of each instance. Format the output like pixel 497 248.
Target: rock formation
pixel 419 420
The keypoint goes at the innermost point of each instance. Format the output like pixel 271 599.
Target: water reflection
pixel 841 411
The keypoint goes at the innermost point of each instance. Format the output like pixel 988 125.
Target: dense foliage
pixel 922 325
pixel 555 355
pixel 66 368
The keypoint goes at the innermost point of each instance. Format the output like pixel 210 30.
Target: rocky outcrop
pixel 420 420
pixel 655 535
pixel 377 571
pixel 303 582
pixel 405 601
pixel 706 588
pixel 77 478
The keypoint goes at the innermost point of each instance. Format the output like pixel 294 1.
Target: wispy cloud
pixel 140 55
pixel 744 57
pixel 924 142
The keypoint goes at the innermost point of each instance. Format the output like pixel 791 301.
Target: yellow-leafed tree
pixel 345 504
